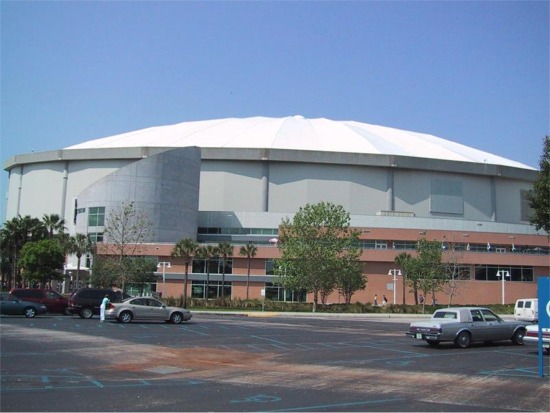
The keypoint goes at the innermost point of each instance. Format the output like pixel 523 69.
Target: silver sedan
pixel 146 309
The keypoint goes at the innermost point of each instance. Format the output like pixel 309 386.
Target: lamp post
pixel 164 265
pixel 503 274
pixel 395 273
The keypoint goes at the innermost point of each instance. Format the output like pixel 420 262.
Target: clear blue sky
pixel 474 72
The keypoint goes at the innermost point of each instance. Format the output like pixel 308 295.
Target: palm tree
pixel 79 245
pixel 401 260
pixel 54 224
pixel 186 249
pixel 15 234
pixel 249 251
pixel 207 253
pixel 225 250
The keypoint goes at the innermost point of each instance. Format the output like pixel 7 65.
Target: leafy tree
pixel 207 252
pixel 225 250
pixel 79 244
pixel 314 247
pixel 186 249
pixel 141 271
pixel 539 196
pixel 249 251
pixel 105 271
pixel 350 277
pixel 425 269
pixel 402 260
pixel 13 236
pixel 42 260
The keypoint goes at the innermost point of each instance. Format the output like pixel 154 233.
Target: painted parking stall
pixel 272 364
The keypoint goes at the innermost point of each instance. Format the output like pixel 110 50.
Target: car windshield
pixel 8 297
pixel 488 315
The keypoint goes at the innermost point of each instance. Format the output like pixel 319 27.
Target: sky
pixel 473 72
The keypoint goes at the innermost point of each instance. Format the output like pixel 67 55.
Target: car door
pixel 54 301
pixel 157 310
pixel 139 308
pixel 478 326
pixel 9 304
pixel 495 328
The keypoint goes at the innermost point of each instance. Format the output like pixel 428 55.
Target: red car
pixel 54 302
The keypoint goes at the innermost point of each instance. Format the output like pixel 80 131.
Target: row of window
pixel 199 289
pixel 463 272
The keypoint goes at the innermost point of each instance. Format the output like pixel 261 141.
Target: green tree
pixel 105 271
pixel 186 249
pixel 79 244
pixel 402 260
pixel 42 260
pixel 350 277
pixel 13 236
pixel 225 250
pixel 54 224
pixel 539 196
pixel 141 272
pixel 427 268
pixel 207 252
pixel 314 246
pixel 249 251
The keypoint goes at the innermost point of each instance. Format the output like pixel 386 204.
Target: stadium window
pixel 96 217
pixel 95 237
pixel 446 197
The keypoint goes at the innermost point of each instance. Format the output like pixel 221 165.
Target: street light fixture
pixel 503 274
pixel 395 273
pixel 164 265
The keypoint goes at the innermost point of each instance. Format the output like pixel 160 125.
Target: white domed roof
pixel 299 133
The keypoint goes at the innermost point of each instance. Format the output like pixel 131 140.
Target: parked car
pixel 86 301
pixel 54 302
pixel 532 336
pixel 11 305
pixel 526 309
pixel 464 325
pixel 147 309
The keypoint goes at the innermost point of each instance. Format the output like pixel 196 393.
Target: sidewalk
pixel 403 318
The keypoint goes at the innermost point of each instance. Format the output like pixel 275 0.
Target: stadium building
pixel 236 179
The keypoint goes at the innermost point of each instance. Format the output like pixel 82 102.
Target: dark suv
pixel 86 301
pixel 54 302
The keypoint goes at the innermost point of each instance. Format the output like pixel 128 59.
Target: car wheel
pixel 517 338
pixel 125 317
pixel 176 318
pixel 463 340
pixel 433 343
pixel 29 312
pixel 86 313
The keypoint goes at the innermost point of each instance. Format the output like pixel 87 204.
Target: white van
pixel 527 310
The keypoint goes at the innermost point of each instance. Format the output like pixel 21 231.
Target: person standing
pixel 384 300
pixel 103 307
pixel 376 300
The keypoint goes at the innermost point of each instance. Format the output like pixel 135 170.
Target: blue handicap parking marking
pixel 259 398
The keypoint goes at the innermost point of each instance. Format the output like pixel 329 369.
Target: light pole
pixel 164 265
pixel 395 273
pixel 503 274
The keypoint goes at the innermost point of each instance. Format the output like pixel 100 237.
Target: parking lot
pixel 271 363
